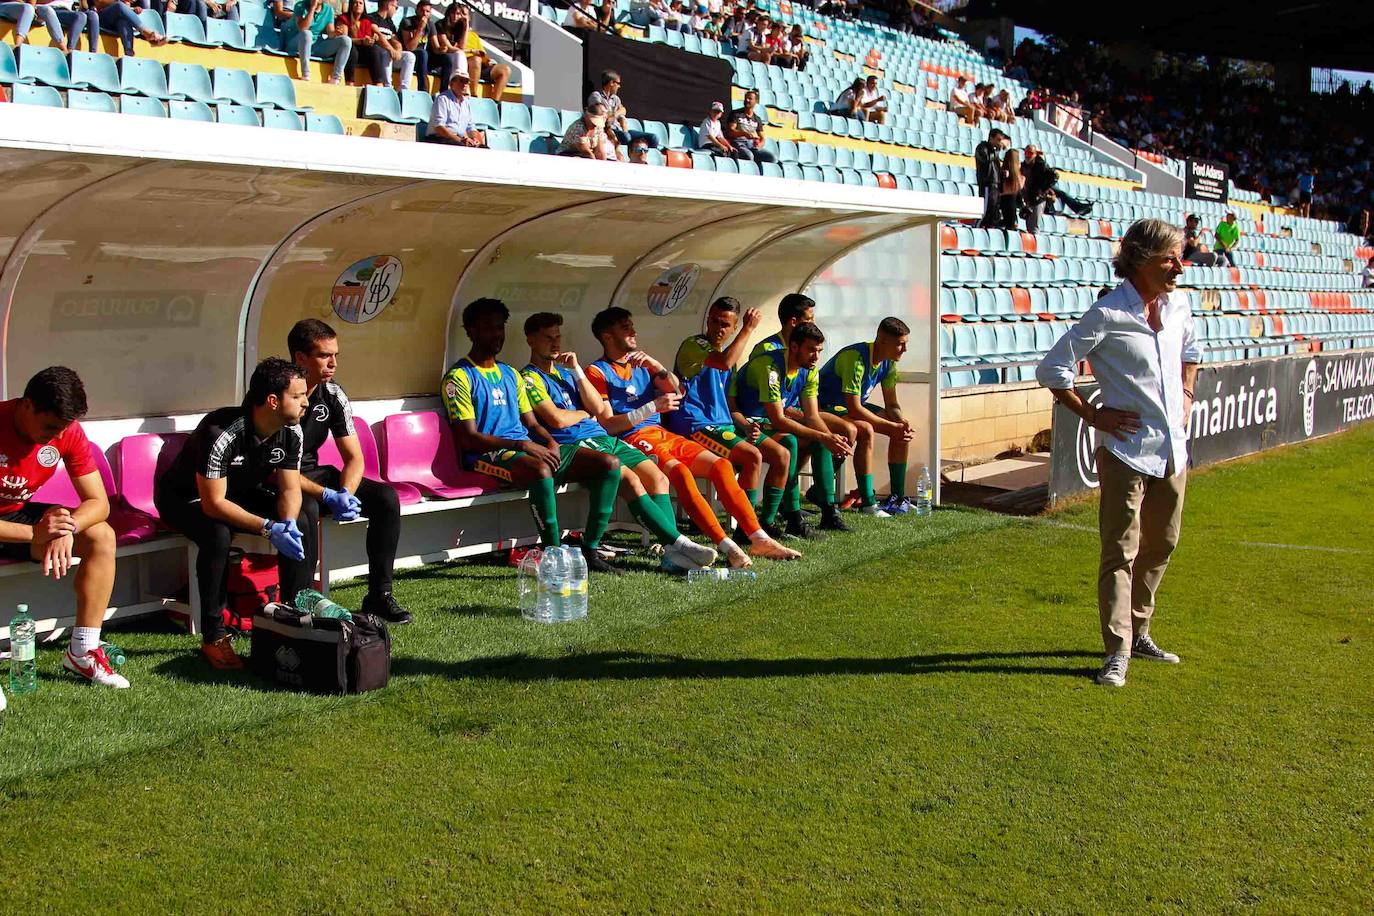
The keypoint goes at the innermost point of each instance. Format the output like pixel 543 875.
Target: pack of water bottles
pixel 552 585
pixel 319 647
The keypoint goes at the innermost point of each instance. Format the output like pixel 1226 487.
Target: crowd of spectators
pixel 1308 150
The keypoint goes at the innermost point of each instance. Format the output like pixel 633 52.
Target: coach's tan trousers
pixel 1138 521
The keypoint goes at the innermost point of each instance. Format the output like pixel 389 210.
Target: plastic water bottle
pixel 309 601
pixel 23 657
pixel 548 587
pixel 923 493
pixel 527 592
pixel 575 597
pixel 114 655
pixel 720 574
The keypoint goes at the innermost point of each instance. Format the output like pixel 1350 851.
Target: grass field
pixel 904 720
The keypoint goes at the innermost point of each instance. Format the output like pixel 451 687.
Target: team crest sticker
pixel 366 288
pixel 48 456
pixel 278 455
pixel 1309 388
pixel 672 287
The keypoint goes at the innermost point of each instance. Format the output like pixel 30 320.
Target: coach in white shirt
pixel 1144 352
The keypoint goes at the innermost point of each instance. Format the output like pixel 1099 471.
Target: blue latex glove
pixel 286 537
pixel 343 505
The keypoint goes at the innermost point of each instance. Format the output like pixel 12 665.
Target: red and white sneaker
pixel 94 667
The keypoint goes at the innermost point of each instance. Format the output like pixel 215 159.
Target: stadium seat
pixel 44 96
pixel 143 106
pixel 381 103
pixel 47 66
pixel 9 67
pixel 141 460
pixel 191 81
pixel 516 117
pixel 232 84
pixel 130 527
pixel 502 140
pixel 80 100
pixel 545 120
pixel 416 105
pixel 225 33
pixel 187 28
pixel 190 111
pixel 323 124
pixel 277 91
pixel 417 448
pixel 145 77
pixel 238 114
pixel 329 456
pixel 484 113
pixel 282 120
pixel 96 71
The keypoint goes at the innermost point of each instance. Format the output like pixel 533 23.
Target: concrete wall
pixel 977 423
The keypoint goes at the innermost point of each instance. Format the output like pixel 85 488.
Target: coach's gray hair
pixel 1146 240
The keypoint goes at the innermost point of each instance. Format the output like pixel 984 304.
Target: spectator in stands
pixel 1038 189
pixel 65 21
pixel 343 493
pixel 849 104
pixel 1367 275
pixel 583 137
pixel 1012 185
pixel 433 52
pixel 312 31
pixel 873 101
pixel 753 42
pixel 609 96
pixel 645 13
pixel 37 431
pixel 367 47
pixel 961 103
pixel 777 45
pixel 1047 178
pixel 744 130
pixel 240 471
pixel 733 27
pixel 796 46
pixel 1002 110
pixel 1227 235
pixel 610 145
pixel 582 14
pixel 1307 183
pixel 700 22
pixel 638 151
pixel 450 120
pixel 449 34
pixel 1144 352
pixel 981 101
pixel 481 68
pixel 987 164
pixel 116 16
pixel 1194 251
pixel 388 37
pixel 711 135
pixel 21 14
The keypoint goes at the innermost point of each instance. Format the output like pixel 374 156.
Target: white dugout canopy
pixel 163 259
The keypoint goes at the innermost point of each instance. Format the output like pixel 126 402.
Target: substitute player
pixel 846 381
pixel 566 403
pixel 345 494
pixel 793 309
pixel 37 431
pixel 774 387
pixel 630 380
pixel 704 367
pixel 498 434
pixel 240 471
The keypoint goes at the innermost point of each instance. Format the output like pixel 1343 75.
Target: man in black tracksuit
pixel 345 494
pixel 987 159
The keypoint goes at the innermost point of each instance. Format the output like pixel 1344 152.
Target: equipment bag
pixel 251 583
pixel 320 654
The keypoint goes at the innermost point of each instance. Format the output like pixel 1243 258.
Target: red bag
pixel 252 584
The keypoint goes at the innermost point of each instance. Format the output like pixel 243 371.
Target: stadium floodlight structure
pixel 163 259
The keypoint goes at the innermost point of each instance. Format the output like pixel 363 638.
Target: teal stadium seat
pixel 544 120
pixel 190 111
pixel 81 100
pixel 323 124
pixel 144 77
pixel 516 117
pixel 416 105
pixel 241 115
pixel 235 85
pixel 485 114
pixel 9 67
pixel 97 71
pixel 281 120
pixel 381 103
pixel 143 106
pixel 43 96
pixel 226 33
pixel 47 66
pixel 502 140
pixel 187 28
pixel 191 81
pixel 278 91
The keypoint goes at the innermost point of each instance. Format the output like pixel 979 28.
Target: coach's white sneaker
pixel 1144 647
pixel 1113 673
pixel 94 667
pixel 698 554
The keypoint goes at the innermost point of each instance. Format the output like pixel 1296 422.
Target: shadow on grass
pixel 638 666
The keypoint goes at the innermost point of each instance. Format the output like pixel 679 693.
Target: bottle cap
pixel 23 608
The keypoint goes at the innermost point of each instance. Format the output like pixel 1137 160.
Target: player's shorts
pixel 30 513
pixel 617 448
pixel 663 446
pixel 719 440
pixel 1304 197
pixel 500 463
pixel 840 410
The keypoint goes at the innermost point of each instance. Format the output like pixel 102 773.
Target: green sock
pixel 866 496
pixel 664 502
pixel 823 465
pixel 545 508
pixel 753 494
pixel 601 493
pixel 650 514
pixel 772 498
pixel 897 474
pixel 791 495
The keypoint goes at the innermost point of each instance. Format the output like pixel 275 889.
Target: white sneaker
pixel 1144 647
pixel 873 512
pixel 94 667
pixel 699 554
pixel 675 560
pixel 1113 673
pixel 3 702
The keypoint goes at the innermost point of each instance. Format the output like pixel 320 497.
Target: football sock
pixel 601 492
pixel 823 464
pixel 897 475
pixel 866 496
pixel 772 498
pixel 649 514
pixel 791 495
pixel 84 639
pixel 545 508
pixel 722 475
pixel 696 506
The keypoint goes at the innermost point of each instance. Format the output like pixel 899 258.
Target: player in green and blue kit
pixel 846 382
pixel 498 435
pixel 776 388
pixel 704 367
pixel 793 309
pixel 566 403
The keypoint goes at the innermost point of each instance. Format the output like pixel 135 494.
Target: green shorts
pixel 617 448
pixel 840 410
pixel 718 440
pixel 499 462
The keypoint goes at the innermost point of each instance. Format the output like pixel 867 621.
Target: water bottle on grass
pixel 575 597
pixel 114 655
pixel 923 493
pixel 23 653
pixel 720 574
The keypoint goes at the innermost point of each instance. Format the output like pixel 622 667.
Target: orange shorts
pixel 663 446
